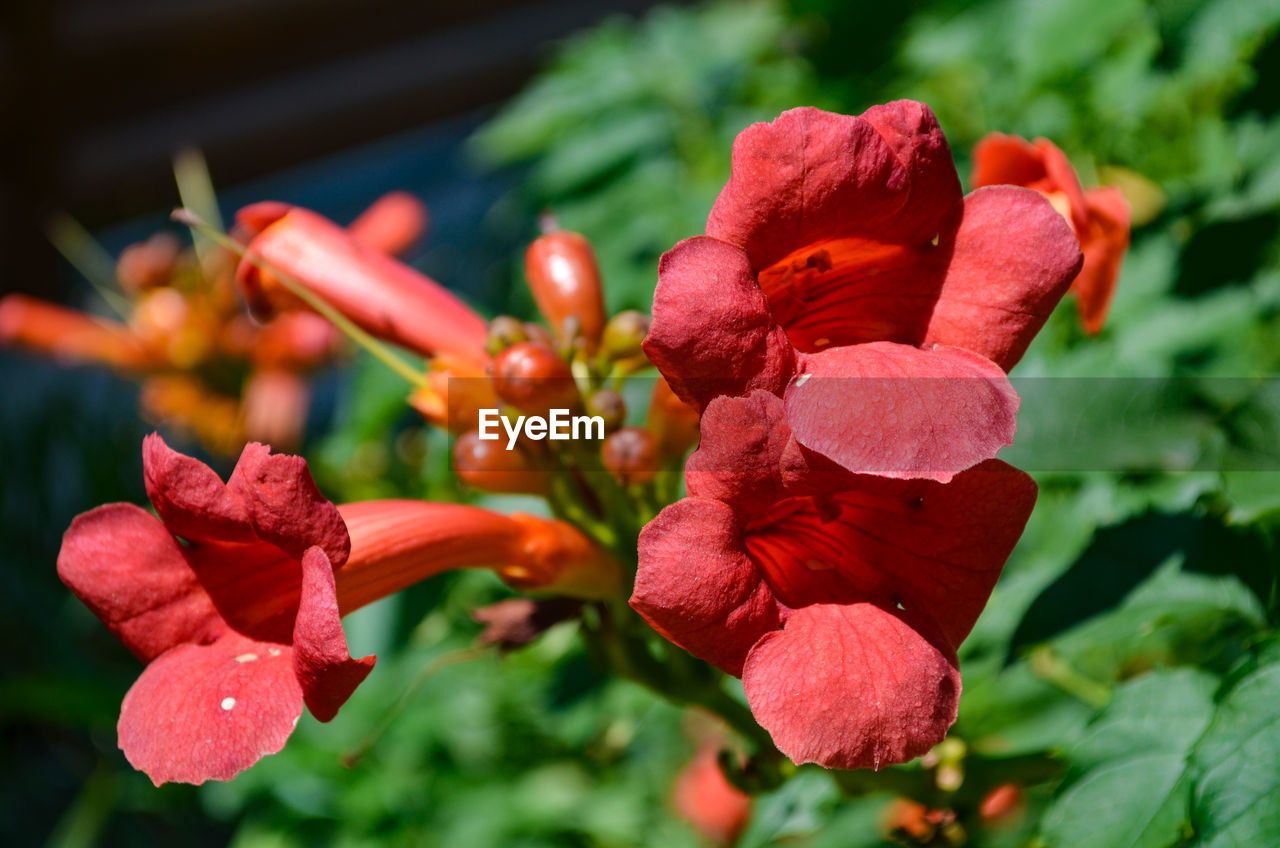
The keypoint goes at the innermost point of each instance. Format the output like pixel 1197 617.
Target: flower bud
pixel 504 331
pixel 1002 806
pixel 610 406
pixel 486 464
pixel 565 281
pixel 533 379
pixel 624 333
pixel 631 455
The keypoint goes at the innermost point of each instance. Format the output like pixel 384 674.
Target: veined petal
pixel 326 671
pixel 853 686
pixel 123 564
pixel 698 587
pixel 897 411
pixel 208 712
pixel 739 457
pixel 386 298
pixel 1011 260
pixel 712 333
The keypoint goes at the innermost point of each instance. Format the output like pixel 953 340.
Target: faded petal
pixel 208 712
pixel 712 333
pixel 325 668
pixel 1012 259
pixel 852 686
pixel 897 411
pixel 123 564
pixel 697 585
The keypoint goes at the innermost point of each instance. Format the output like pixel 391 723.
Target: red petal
pixel 126 567
pixel 326 671
pixel 1104 241
pixel 742 445
pixel 284 505
pixel 935 548
pixel 852 686
pixel 1000 159
pixel 705 798
pixel 812 175
pixel 1060 176
pixel 897 411
pixel 698 587
pixel 392 224
pixel 712 333
pixel 191 499
pixel 1012 259
pixel 208 712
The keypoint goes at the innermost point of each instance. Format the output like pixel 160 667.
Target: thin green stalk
pixel 82 250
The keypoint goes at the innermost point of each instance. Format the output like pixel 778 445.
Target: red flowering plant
pixel 838 341
pixel 843 271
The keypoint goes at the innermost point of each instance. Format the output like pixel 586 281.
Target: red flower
pixel 1099 216
pixel 707 800
pixel 841 247
pixel 839 598
pixel 240 626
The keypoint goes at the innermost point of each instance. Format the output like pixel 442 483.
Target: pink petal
pixel 712 333
pixel 123 564
pixel 325 669
pixel 191 499
pixel 1012 259
pixel 852 686
pixel 698 587
pixel 1105 240
pixel 897 411
pixel 208 712
pixel 284 505
pixel 811 175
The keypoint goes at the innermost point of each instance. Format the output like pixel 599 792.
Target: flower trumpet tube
pixel 239 622
pixel 839 599
pixel 1100 216
pixel 384 297
pixel 392 224
pixel 68 334
pixel 841 247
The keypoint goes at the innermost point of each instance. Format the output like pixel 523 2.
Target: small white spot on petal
pixel 244 658
pixel 275 652
pixel 228 703
pixel 802 379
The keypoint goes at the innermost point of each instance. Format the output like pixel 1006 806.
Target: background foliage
pixel 1132 637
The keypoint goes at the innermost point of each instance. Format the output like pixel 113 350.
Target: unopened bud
pixel 487 465
pixel 610 406
pixel 672 421
pixel 565 281
pixel 504 331
pixel 624 333
pixel 533 379
pixel 631 455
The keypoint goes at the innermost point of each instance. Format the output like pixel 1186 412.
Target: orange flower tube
pixel 393 224
pixel 49 328
pixel 385 297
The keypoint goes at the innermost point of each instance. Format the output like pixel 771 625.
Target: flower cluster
pixel 837 344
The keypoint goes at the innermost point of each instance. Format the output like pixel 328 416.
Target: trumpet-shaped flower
pixel 841 247
pixel 1100 216
pixel 233 596
pixel 838 598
